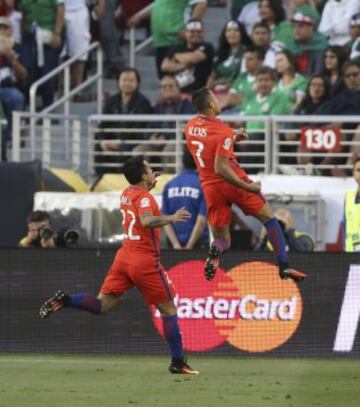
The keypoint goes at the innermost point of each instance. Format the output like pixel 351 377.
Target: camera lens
pixel 71 237
pixel 46 233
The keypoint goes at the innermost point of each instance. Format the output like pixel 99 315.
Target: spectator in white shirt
pixel 335 20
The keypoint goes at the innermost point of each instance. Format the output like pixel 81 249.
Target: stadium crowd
pixel 273 57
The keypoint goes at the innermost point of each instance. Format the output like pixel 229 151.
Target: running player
pixel 137 262
pixel 224 182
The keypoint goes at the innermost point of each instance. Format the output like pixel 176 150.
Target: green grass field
pixel 109 381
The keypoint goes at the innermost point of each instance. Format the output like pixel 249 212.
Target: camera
pixel 46 233
pixel 67 237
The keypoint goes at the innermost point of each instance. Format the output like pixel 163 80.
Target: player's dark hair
pixel 258 51
pixel 133 169
pixel 261 24
pixel 128 69
pixel 200 100
pixel 38 216
pixel 266 70
pixel 187 160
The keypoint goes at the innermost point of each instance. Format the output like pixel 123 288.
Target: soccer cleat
pixel 292 274
pixel 212 263
pixel 56 303
pixel 181 367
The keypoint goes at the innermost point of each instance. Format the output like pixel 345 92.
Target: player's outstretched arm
pixel 223 168
pixel 150 221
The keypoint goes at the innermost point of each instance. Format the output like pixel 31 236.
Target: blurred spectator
pixel 351 220
pixel 267 100
pixel 28 40
pixel 296 241
pixel 317 93
pixel 171 102
pixel 249 15
pixel 346 101
pixel 335 20
pixel 39 231
pixel 129 100
pixel 127 14
pixel 261 37
pixel 273 15
pixel 354 44
pixel 243 88
pixel 335 57
pixel 191 62
pixel 77 36
pixel 168 22
pixel 237 6
pixel 292 5
pixel 185 191
pixel 290 81
pixel 308 45
pixel 109 36
pixel 229 54
pixel 48 17
pixel 13 75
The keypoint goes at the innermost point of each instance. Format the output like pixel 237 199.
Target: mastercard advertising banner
pixel 248 307
pixel 246 310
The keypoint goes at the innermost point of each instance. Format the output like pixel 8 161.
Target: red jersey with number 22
pixel 206 138
pixel 139 240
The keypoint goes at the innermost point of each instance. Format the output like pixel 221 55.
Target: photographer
pixel 39 232
pixel 296 241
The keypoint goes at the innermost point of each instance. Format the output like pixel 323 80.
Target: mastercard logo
pixel 249 307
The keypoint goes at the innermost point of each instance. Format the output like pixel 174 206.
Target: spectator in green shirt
pixel 273 15
pixel 243 87
pixel 49 21
pixel 168 20
pixel 291 82
pixel 226 67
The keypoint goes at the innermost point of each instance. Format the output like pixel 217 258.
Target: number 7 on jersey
pixel 200 148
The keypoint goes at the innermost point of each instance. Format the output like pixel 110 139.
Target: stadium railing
pixel 253 154
pixel 280 144
pixel 314 144
pixel 55 139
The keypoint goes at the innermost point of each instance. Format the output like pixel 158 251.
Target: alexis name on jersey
pixel 197 131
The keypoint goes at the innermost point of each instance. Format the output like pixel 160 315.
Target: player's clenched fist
pixel 241 134
pixel 181 215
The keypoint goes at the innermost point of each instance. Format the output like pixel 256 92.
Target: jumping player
pixel 137 262
pixel 211 142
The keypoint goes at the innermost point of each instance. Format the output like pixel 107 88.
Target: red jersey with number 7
pixel 206 138
pixel 139 241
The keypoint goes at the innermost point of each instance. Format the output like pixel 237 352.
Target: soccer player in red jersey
pixel 211 142
pixel 137 262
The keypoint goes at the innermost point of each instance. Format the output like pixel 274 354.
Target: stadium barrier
pixel 247 310
pixel 302 145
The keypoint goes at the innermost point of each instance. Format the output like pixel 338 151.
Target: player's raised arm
pixel 148 220
pixel 222 167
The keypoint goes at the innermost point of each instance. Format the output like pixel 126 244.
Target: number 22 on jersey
pixel 129 232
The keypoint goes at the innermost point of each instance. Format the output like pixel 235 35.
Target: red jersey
pixel 139 240
pixel 206 138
